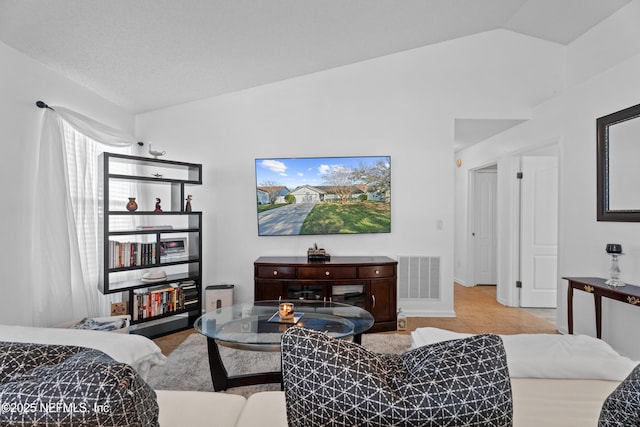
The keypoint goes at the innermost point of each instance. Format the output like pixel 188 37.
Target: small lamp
pixel 615 250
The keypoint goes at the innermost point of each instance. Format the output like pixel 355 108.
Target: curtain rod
pixel 41 104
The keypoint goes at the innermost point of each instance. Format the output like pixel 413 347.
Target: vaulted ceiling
pixel 149 54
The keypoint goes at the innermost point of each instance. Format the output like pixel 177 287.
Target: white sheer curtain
pixel 65 219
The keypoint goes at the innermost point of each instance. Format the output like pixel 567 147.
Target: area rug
pixel 187 367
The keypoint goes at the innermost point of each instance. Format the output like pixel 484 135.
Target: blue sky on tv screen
pixel 295 172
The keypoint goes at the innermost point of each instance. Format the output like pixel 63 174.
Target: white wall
pixel 23 82
pixel 401 105
pixel 594 90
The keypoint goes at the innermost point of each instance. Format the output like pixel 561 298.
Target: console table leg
pixel 219 374
pixel 570 308
pixel 598 303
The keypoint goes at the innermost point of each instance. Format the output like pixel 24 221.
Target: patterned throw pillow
pixel 57 385
pixel 622 407
pixel 333 382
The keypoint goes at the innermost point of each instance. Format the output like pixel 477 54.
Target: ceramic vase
pixel 132 205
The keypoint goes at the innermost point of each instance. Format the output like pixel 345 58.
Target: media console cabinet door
pixel 383 299
pixel 268 290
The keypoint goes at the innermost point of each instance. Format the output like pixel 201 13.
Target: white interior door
pixel 485 226
pixel 539 231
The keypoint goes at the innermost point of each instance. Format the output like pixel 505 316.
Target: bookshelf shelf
pixel 152 213
pixel 157 265
pixel 152 179
pixel 154 231
pixel 145 247
pixel 160 316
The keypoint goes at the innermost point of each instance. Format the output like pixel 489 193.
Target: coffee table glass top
pixel 257 326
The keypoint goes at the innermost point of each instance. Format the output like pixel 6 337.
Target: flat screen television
pixel 323 195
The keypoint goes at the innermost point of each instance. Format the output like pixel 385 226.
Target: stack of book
pixel 131 254
pixel 164 299
pixel 190 294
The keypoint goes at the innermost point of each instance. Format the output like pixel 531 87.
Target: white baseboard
pixel 428 313
pixel 460 282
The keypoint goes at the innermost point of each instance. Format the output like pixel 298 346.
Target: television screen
pixel 323 195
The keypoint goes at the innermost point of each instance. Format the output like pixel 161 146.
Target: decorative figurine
pixel 132 205
pixel 187 207
pixel 156 153
pixel 158 208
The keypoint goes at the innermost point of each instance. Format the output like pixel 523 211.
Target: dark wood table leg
pixel 357 338
pixel 570 308
pixel 597 298
pixel 219 374
pixel 222 380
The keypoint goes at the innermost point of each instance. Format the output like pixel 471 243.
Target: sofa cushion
pixel 68 386
pixel 548 355
pixel 182 408
pixel 622 407
pixel 328 381
pixel 264 409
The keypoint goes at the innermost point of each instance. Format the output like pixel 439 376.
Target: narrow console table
pixel 368 282
pixel 629 294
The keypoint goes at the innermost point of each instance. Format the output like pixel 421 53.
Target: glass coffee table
pixel 258 327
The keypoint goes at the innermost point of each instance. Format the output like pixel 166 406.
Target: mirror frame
pixel 602 129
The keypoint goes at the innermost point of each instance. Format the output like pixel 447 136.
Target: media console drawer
pixel 276 272
pixel 375 271
pixel 328 272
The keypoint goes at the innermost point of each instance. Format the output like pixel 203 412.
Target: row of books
pixel 164 299
pixel 131 254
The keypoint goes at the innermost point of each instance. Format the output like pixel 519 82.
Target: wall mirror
pixel 618 140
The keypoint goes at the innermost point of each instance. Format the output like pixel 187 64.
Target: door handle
pixel 373 300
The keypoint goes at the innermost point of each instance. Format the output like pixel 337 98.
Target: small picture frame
pixel 175 248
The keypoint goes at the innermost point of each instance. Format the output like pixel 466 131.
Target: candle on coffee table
pixel 286 310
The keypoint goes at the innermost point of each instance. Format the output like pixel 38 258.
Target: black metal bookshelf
pixel 169 315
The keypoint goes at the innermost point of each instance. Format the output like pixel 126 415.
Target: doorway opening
pixel 525 254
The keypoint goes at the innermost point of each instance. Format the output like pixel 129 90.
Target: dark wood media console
pixel 367 282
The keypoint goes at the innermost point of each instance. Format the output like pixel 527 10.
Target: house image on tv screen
pixel 323 195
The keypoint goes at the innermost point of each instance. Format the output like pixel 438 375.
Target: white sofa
pixel 536 402
pixel 556 380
